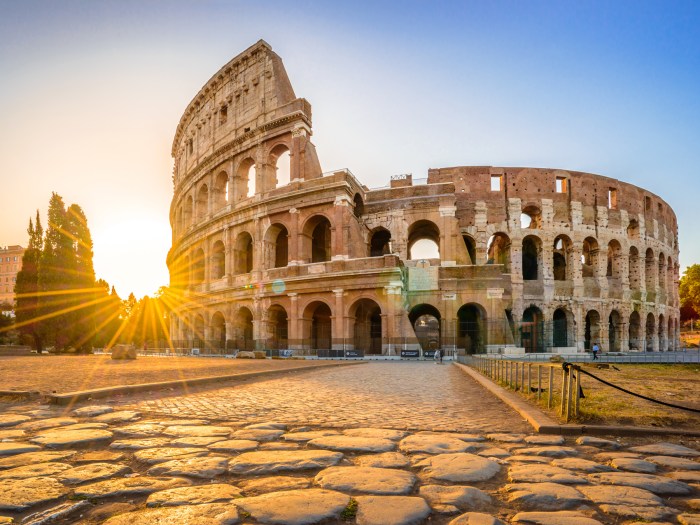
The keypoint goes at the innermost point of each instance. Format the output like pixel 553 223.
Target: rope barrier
pixel 566 365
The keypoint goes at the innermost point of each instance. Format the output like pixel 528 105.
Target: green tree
pixel 689 291
pixel 27 287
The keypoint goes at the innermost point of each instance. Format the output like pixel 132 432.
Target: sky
pixel 91 93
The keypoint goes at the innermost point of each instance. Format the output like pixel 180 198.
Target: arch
pixel 366 316
pixel 561 258
pixel 198 331
pixel 498 251
pixel 592 331
pixel 358 206
pixel 198 266
pixel 218 260
pixel 280 158
pixel 471 328
pixel 562 328
pixel 243 329
pixel 670 269
pixel 661 333
pixel 649 264
pixel 246 176
pixel 243 253
pixel 650 332
pixel 179 220
pixel 613 267
pixel 319 332
pixel 470 244
pixel 276 246
pixel 279 328
pixel 633 229
pixel 218 331
pixel 635 332
pixel 380 242
pixel 532 330
pixel 532 258
pixel 202 206
pixel 179 276
pixel 426 321
pixel 317 239
pixel 635 271
pixel 188 212
pixel 671 335
pixel 615 331
pixel 220 190
pixel 662 271
pixel 589 257
pixel 531 217
pixel 424 236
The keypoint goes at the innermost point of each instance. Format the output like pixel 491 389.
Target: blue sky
pixel 92 91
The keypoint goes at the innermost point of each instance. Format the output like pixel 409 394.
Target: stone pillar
pixel 294 336
pixel 293 240
pixel 339 245
pixel 448 233
pixel 338 321
pixel 481 238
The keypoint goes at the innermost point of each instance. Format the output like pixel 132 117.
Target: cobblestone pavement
pixel 127 464
pixel 415 395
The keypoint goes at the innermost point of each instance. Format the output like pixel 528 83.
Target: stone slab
pixel 163 454
pixel 11 420
pixel 198 467
pixel 383 433
pixel 666 449
pixel 29 458
pixel 12 448
pixel 674 462
pixel 202 494
pixel 295 507
pixel 234 445
pixel 656 484
pixel 452 499
pixel 208 514
pixel 550 452
pixel 476 518
pixel 270 461
pixel 257 434
pixel 92 472
pixel 273 484
pixel 92 410
pixel 72 438
pixel 634 465
pixel 434 444
pixel 543 496
pixel 563 517
pixel 391 510
pixel 140 430
pixel 35 470
pixel 139 444
pixel 353 443
pixel 543 474
pixel 129 486
pixel 122 416
pixel 43 424
pixel 308 435
pixel 383 460
pixel 581 465
pixel 22 494
pixel 459 468
pixel 627 502
pixel 196 431
pixel 597 442
pixel 367 480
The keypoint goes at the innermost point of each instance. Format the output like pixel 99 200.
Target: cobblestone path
pixel 401 395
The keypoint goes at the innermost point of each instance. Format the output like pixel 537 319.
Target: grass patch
pixel 350 511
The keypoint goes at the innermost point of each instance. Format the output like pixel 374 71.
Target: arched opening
pixel 531 256
pixel 243 327
pixel 662 272
pixel 198 266
pixel 425 319
pixel 635 332
pixel 380 242
pixel 244 182
pixel 671 335
pixel 560 329
pixel 276 246
pixel 614 260
pixel 218 260
pixel 318 239
pixel 220 190
pixel 179 220
pixel 531 218
pixel 187 212
pixel 243 254
pixel 359 206
pixel 367 326
pixel 633 229
pixel 532 330
pixel 423 240
pixel 661 333
pixel 589 258
pixel 561 269
pixel 592 329
pixel 198 335
pixel 277 318
pixel 498 251
pixel 650 333
pixel 615 331
pixel 318 315
pixel 180 275
pixel 218 331
pixel 281 160
pixel 670 280
pixel 251 181
pixel 635 272
pixel 471 333
pixel 202 202
pixel 470 244
pixel 649 272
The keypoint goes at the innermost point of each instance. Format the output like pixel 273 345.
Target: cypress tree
pixel 26 287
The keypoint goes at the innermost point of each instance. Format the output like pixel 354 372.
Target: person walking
pixel 595 351
pixel 438 357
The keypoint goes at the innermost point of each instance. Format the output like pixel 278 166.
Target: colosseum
pixel 271 253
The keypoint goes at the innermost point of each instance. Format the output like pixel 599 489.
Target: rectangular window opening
pixel 190 147
pixel 223 114
pixel 562 185
pixel 496 182
pixel 647 203
pixel 660 208
pixel 612 198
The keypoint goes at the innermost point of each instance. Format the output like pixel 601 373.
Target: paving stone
pixel 254 434
pixel 123 416
pixel 452 499
pixel 581 465
pixel 92 472
pixel 209 514
pixel 34 471
pixel 383 460
pixel 140 430
pixel 22 494
pixel 383 433
pixel 633 465
pixel 270 425
pixel 10 420
pixel 607 456
pixel 99 455
pixel 476 518
pixel 129 486
pixel 29 458
pixel 196 431
pixel 353 443
pixel 563 517
pixel 544 440
pixel 650 482
pixel 233 445
pixel 202 494
pixel 543 496
pixel 433 444
pixel 506 438
pixel 692 476
pixel 92 410
pixel 81 426
pixel 308 435
pixel 693 503
pixel 162 454
pixel 269 461
pixel 204 467
pixel 542 474
pixel 12 434
pixel 551 452
pixel 689 519
pixel 59 438
pixel 494 452
pixel 675 462
pixel 11 448
pixel 103 511
pixel 278 445
pixel 6 520
pixel 627 502
pixel 666 449
pixel 391 510
pixel 197 441
pixel 43 424
pixel 273 484
pixel 459 468
pixel 180 422
pixel 51 515
pixel 295 507
pixel 139 444
pixel 368 480
pixel 518 458
pixel 597 442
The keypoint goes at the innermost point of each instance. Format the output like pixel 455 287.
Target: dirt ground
pixel 61 374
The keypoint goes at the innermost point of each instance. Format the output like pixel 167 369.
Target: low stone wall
pixel 15 350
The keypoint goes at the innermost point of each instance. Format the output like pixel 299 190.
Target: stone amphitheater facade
pixel 473 259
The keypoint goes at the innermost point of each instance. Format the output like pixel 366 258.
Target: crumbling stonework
pixel 524 259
